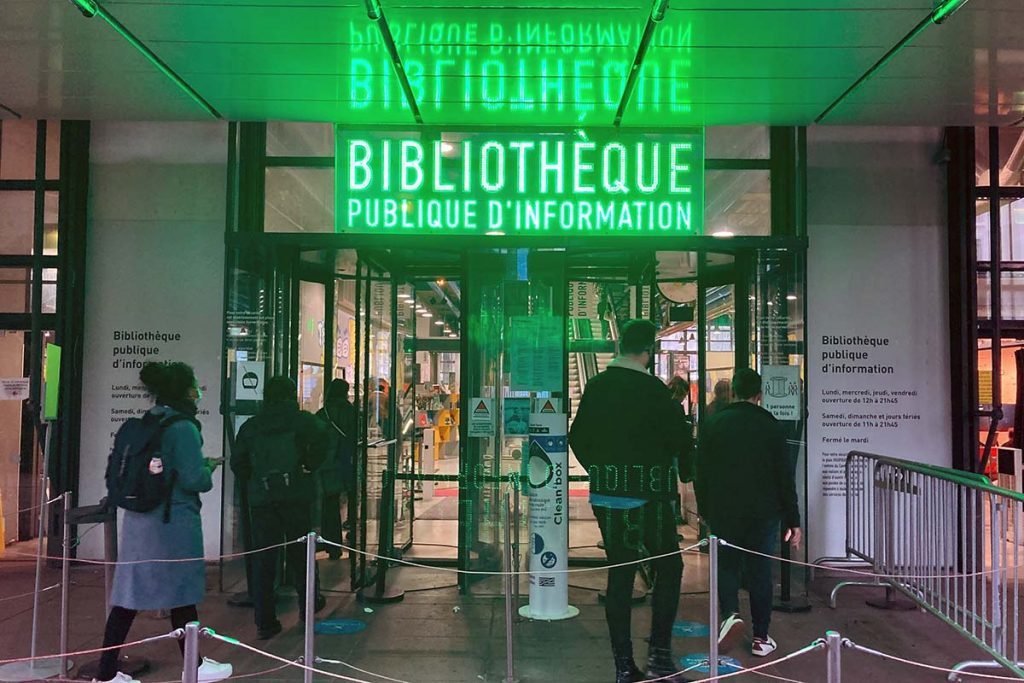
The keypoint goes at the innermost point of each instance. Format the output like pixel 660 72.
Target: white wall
pixel 876 268
pixel 155 264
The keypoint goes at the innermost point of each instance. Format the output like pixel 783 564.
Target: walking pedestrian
pixel 745 489
pixel 336 475
pixel 628 432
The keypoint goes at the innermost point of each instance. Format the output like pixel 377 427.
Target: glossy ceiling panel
pixel 518 62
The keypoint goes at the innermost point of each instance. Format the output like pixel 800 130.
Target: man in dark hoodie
pixel 627 432
pixel 336 475
pixel 745 488
pixel 275 456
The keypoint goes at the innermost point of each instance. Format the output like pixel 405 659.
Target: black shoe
pixel 661 664
pixel 269 631
pixel 626 670
pixel 318 605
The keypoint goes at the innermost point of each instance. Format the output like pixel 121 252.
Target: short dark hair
pixel 280 389
pixel 637 337
pixel 168 381
pixel 337 389
pixel 746 384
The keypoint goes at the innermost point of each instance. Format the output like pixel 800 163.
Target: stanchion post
pixel 834 648
pixel 307 656
pixel 44 509
pixel 713 625
pixel 190 670
pixel 506 565
pixel 516 556
pixel 65 582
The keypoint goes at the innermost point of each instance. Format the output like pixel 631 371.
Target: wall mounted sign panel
pixel 536 183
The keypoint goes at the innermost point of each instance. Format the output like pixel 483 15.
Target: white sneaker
pixel 210 671
pixel 762 647
pixel 730 633
pixel 119 677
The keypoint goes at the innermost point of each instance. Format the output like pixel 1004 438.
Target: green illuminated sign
pixel 538 183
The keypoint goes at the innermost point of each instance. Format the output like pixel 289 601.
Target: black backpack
pixel 130 484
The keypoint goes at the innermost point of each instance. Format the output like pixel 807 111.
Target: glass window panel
pixel 736 142
pixel 984 296
pixel 1011 229
pixel 1011 157
pixel 49 290
pixel 1012 292
pixel 17 150
pixel 53 150
pixel 293 139
pixel 17 216
pixel 50 223
pixel 299 200
pixel 981 157
pixel 982 221
pixel 15 294
pixel 737 203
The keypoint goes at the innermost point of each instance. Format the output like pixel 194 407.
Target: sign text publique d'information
pixel 567 183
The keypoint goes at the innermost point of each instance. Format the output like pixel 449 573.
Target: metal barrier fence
pixel 948 540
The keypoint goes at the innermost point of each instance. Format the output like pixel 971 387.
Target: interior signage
pixel 538 183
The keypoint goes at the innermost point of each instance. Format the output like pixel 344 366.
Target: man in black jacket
pixel 336 474
pixel 275 456
pixel 627 433
pixel 745 488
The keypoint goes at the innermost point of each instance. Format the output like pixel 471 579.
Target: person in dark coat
pixel 745 488
pixel 722 398
pixel 628 432
pixel 336 474
pixel 276 454
pixel 176 586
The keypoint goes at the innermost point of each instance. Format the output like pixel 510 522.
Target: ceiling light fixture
pixel 439 323
pixel 791 297
pixel 946 10
pixel 723 233
pixel 427 315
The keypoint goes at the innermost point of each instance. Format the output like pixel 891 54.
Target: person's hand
pixel 794 535
pixel 214 463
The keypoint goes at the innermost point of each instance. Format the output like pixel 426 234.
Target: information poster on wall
pixel 878 360
pixel 536 353
pixel 781 391
pixel 481 417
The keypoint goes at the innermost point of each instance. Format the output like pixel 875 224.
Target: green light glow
pixel 946 9
pixel 86 7
pixel 541 183
pixel 518 68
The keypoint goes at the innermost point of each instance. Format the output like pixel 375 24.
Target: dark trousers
pixel 119 623
pixel 759 535
pixel 331 523
pixel 630 535
pixel 273 524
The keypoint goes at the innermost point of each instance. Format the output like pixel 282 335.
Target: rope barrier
pixel 322 660
pixel 30 593
pixel 873 575
pixel 159 561
pixel 255 650
pixel 816 645
pixel 34 507
pixel 480 572
pixel 931 667
pixel 176 634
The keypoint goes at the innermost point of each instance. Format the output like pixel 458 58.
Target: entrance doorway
pixel 429 338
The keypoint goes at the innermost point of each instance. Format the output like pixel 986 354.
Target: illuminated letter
pixel 485 170
pixel 355 163
pixel 655 162
pixel 614 184
pixel 355 207
pixel 495 216
pixel 579 168
pixel 683 214
pixel 390 213
pixel 385 158
pixel 549 167
pixel 439 184
pixel 412 160
pixel 676 167
pixel 521 148
pixel 359 90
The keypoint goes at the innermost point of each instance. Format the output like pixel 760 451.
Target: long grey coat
pixel 144 536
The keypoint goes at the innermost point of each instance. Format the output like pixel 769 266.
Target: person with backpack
pixel 276 454
pixel 155 474
pixel 336 475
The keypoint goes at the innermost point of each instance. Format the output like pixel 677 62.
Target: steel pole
pixel 190 670
pixel 307 657
pixel 44 508
pixel 65 583
pixel 834 648
pixel 713 605
pixel 506 566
